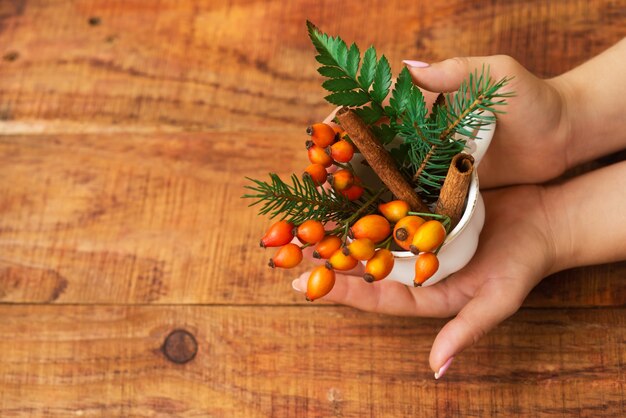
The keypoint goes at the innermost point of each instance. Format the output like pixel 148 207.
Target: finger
pixel 447 75
pixel 392 298
pixel 497 300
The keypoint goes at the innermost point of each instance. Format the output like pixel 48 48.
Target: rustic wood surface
pixel 126 130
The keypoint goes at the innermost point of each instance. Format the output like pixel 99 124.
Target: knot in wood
pixel 180 346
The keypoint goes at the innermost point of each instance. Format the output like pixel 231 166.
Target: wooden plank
pixel 157 218
pixel 172 64
pixel 294 361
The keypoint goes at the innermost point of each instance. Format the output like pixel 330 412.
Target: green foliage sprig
pixel 428 143
pixel 425 142
pixel 300 201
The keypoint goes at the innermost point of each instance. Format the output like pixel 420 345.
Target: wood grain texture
pixel 158 218
pixel 220 65
pixel 316 362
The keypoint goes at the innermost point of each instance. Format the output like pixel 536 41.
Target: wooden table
pixel 126 130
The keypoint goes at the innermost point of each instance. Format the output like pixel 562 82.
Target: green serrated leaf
pixel 438 111
pixel 340 52
pixel 382 80
pixel 340 84
pixel 368 68
pixel 354 57
pixel 331 72
pixel 401 92
pixel 348 98
pixel 325 60
pixel 370 114
pixel 324 45
pixel 385 133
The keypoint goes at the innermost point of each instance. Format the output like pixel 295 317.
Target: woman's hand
pixel 515 252
pixel 549 125
pixel 530 141
pixel 529 233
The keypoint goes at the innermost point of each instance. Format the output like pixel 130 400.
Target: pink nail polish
pixel 296 285
pixel 443 368
pixel 416 64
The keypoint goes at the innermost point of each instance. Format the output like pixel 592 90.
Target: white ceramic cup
pixel 461 243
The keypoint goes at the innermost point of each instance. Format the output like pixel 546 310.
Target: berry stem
pixel 346 224
pixel 445 219
pixel 386 243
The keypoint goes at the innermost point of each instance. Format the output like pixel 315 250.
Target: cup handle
pixel 480 141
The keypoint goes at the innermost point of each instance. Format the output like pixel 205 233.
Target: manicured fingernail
pixel 296 285
pixel 416 64
pixel 443 368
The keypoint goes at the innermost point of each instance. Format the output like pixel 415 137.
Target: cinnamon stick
pixel 379 159
pixel 454 190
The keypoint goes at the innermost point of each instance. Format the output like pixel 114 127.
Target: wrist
pixel 559 232
pixel 567 94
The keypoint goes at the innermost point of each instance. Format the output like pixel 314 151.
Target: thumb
pixel 446 76
pixel 496 301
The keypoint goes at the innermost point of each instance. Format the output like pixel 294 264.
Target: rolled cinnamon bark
pixel 379 159
pixel 454 190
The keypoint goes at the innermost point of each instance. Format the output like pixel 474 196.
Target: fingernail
pixel 443 368
pixel 416 64
pixel 296 285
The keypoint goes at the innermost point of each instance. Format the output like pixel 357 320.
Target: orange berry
pixel 379 266
pixel 361 249
pixel 317 172
pixel 374 227
pixel 404 230
pixel 342 151
pixel 338 130
pixel 318 155
pixel 428 237
pixel 353 192
pixel 394 210
pixel 321 281
pixel 287 256
pixel 310 232
pixel 279 233
pixel 426 265
pixel 342 262
pixel 322 134
pixel 342 179
pixel 327 246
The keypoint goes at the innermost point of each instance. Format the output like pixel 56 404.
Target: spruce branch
pixel 299 201
pixel 476 95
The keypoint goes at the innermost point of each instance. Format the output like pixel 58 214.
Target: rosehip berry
pixel 280 233
pixel 287 256
pixel 317 172
pixel 338 130
pixel 428 237
pixel 404 230
pixel 342 151
pixel 321 281
pixel 394 210
pixel 379 266
pixel 341 179
pixel 327 246
pixel 426 265
pixel 310 232
pixel 318 155
pixel 361 249
pixel 340 261
pixel 322 134
pixel 353 192
pixel 374 227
